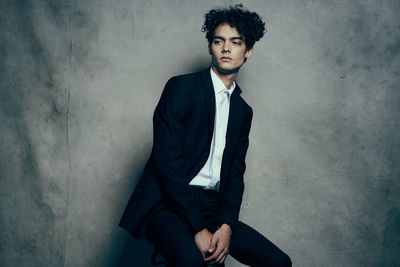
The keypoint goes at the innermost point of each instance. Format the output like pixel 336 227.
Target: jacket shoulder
pixel 185 79
pixel 247 106
pixel 179 93
pixel 181 85
pixel 248 109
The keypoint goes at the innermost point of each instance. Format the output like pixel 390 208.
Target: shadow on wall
pixel 197 66
pixel 122 249
pixel 391 242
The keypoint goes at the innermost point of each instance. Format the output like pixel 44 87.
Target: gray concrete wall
pixel 78 84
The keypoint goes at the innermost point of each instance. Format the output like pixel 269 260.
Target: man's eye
pixel 217 42
pixel 237 43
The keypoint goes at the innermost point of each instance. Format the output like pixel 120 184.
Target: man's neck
pixel 227 79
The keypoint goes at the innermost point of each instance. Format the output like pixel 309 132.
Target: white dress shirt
pixel 209 175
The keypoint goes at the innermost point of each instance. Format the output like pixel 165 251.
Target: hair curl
pixel 248 24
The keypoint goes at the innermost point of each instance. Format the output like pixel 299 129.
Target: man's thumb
pixel 212 245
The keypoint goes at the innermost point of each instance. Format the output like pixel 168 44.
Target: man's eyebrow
pixel 222 38
pixel 218 37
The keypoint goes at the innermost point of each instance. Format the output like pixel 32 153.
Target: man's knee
pixel 286 261
pixel 281 260
pixel 278 259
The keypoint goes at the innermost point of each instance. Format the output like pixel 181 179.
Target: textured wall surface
pixel 78 84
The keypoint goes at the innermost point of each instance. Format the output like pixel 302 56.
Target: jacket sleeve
pixel 168 153
pixel 232 192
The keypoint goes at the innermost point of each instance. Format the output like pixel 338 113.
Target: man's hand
pixel 219 246
pixel 203 240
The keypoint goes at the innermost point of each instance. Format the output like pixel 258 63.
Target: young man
pixel 187 202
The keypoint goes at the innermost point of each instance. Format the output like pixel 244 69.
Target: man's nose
pixel 226 48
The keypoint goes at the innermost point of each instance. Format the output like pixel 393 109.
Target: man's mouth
pixel 226 58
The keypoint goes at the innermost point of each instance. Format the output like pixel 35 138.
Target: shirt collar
pixel 219 85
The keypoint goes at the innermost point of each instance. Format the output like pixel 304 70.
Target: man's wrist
pixel 201 231
pixel 226 227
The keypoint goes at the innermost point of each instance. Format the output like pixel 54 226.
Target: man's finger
pixel 221 256
pixel 224 258
pixel 213 244
pixel 213 256
pixel 203 253
pixel 216 253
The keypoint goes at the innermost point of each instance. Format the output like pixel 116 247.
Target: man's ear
pixel 209 49
pixel 249 53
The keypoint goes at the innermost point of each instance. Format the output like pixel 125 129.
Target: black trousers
pixel 171 236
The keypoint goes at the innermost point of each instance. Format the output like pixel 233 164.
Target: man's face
pixel 228 49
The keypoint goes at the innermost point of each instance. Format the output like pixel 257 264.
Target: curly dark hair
pixel 248 24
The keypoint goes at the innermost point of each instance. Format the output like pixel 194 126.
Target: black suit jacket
pixel 183 125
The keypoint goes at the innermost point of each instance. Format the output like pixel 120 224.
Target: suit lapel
pixel 233 131
pixel 235 118
pixel 232 134
pixel 208 88
pixel 235 114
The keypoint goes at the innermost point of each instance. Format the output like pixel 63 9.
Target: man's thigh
pixel 171 236
pixel 251 248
